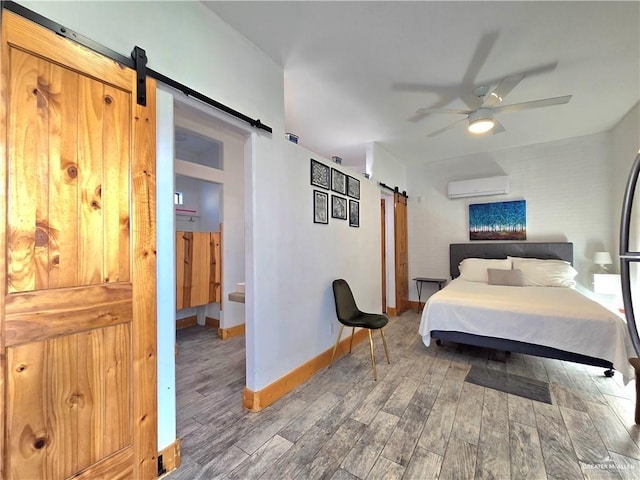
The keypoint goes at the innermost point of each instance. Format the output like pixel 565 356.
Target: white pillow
pixel 545 273
pixel 475 269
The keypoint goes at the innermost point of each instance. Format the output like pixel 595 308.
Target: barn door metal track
pixel 137 62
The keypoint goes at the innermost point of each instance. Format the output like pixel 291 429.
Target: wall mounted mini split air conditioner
pixel 478 187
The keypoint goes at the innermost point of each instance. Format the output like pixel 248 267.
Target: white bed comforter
pixel 552 316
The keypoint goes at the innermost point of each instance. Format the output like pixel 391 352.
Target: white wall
pixel 204 198
pixel 626 143
pixel 296 261
pixel 290 261
pixel 384 167
pixel 566 184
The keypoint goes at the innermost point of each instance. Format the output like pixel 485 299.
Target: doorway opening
pixel 210 366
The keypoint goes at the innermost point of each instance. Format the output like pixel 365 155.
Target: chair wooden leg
pixel 373 360
pixel 335 347
pixel 384 342
pixel 353 330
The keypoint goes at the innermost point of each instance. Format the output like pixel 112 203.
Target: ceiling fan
pixel 483 118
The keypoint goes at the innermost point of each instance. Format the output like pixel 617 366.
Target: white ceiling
pixel 355 72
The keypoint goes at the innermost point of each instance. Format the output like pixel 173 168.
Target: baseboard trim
pixel 415 305
pixel 256 401
pixel 212 322
pixel 171 459
pixel 187 322
pixel 392 312
pixel 226 333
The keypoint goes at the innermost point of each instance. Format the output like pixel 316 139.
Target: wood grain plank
pixel 180 270
pixel 91 180
pixel 117 386
pixel 27 414
pixel 21 214
pixel 328 458
pixel 40 171
pixel 215 270
pixel 424 465
pixel 588 446
pixel 28 36
pixel 91 419
pixel 521 410
pixel 254 466
pixel 345 407
pixel 143 228
pixel 63 402
pixel 560 459
pixel 187 267
pixel 301 423
pixel 493 455
pixel 404 438
pixel 459 460
pixel 33 316
pixel 269 425
pixel 495 410
pixel 200 268
pixel 223 463
pixel 294 462
pixel 365 452
pixel 115 467
pixel 466 425
pixel 437 430
pixel 612 431
pixel 115 189
pixel 63 181
pixel 627 468
pixel 4 108
pixel 525 452
pixel 566 397
pixel 401 397
pixel 376 399
pixel 386 469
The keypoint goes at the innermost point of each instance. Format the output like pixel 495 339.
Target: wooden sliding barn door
pixel 402 253
pixel 77 262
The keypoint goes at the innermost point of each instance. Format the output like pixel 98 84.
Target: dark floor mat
pixel 522 386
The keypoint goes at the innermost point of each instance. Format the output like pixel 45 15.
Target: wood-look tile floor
pixel 420 420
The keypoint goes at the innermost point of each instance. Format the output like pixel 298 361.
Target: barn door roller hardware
pixel 140 59
pixel 394 190
pixel 137 62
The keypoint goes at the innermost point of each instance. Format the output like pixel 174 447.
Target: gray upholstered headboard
pixel 544 250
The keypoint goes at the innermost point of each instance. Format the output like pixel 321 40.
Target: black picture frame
pixel 320 207
pixel 353 187
pixel 320 174
pixel 338 181
pixel 338 207
pixel 354 213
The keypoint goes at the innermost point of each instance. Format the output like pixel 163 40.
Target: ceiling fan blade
pixel 425 111
pixel 502 90
pixel 498 127
pixel 416 117
pixel 546 102
pixel 448 127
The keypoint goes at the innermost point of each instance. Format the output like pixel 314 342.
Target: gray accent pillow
pixel 511 278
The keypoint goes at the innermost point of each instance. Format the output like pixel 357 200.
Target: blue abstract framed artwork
pixel 498 220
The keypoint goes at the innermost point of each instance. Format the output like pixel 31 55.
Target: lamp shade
pixel 602 258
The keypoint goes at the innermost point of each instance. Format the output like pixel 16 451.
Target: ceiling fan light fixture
pixel 481 121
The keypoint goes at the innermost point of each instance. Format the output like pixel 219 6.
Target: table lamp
pixel 601 259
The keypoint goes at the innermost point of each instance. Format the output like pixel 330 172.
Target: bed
pixel 554 322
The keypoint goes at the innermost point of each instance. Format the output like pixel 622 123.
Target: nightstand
pixel 607 283
pixel 607 291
